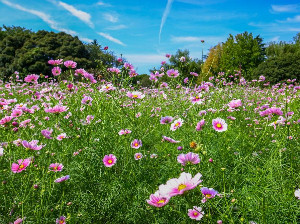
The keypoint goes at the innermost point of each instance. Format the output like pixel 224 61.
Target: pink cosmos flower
pixel 124 132
pixel 200 125
pixel 165 138
pixel 61 136
pixel 23 124
pixel 79 71
pixel 189 158
pixel 178 186
pixel 16 113
pixel 62 179
pixel 166 120
pixel 56 71
pixel 106 88
pixel 22 165
pixel 109 160
pixel 87 100
pixel 208 192
pixel 61 220
pixel 31 78
pixel 5 120
pixel 18 221
pixel 32 145
pixel 56 109
pixel 56 167
pixel 193 73
pixel 219 125
pixel 55 62
pixel 196 99
pixel 47 133
pixel 235 103
pixel 157 200
pixel 136 144
pixel 173 73
pixel 114 70
pixel 70 64
pixel 196 213
pixel 182 59
pixel 176 124
pixel 138 156
pixel 135 95
pixel 89 119
pixel 272 110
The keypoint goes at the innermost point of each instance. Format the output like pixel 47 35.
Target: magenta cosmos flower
pixel 176 124
pixel 200 125
pixel 61 220
pixel 196 99
pixel 56 109
pixel 109 160
pixel 157 200
pixel 166 120
pixel 16 113
pixel 219 124
pixel 62 179
pixel 196 213
pixel 235 103
pixel 173 73
pixel 20 166
pixel 136 144
pixel 178 186
pixel 70 64
pixel 61 136
pixel 124 132
pixel 138 156
pixel 31 78
pixel 32 145
pixel 135 95
pixel 106 88
pixel 208 192
pixel 56 167
pixel 189 158
pixel 47 133
pixel 55 62
pixel 5 120
pixel 168 139
pixel 56 71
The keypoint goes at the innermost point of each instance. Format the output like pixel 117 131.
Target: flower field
pixel 93 151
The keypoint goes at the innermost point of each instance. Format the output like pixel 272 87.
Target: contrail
pixel 165 15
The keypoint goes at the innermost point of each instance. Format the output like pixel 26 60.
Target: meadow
pixel 87 151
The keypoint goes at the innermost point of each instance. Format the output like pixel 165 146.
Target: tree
pixel 211 65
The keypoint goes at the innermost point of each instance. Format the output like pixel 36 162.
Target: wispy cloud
pixel 103 4
pixel 295 19
pixel 275 39
pixel 197 2
pixel 197 40
pixel 285 8
pixel 164 17
pixel 45 17
pixel 118 27
pixel 185 39
pixel 111 18
pixel 86 39
pixel 110 38
pixel 83 16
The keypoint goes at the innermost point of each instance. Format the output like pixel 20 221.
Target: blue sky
pixel 144 31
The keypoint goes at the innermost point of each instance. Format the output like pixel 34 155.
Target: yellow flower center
pixel 195 213
pixel 55 168
pixel 197 97
pixel 219 125
pixel 107 87
pixel 135 96
pixel 177 124
pixel 21 166
pixel 208 195
pixel 136 144
pixel 161 201
pixel 181 187
pixel 110 161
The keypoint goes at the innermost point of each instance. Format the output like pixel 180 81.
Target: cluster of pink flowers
pixel 235 103
pixel 56 109
pixel 270 111
pixel 124 132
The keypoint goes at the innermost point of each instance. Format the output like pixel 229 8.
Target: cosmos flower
pixel 200 125
pixel 196 99
pixel 61 136
pixel 20 166
pixel 235 103
pixel 178 186
pixel 165 138
pixel 136 144
pixel 16 113
pixel 31 78
pixel 56 71
pixel 138 156
pixel 176 124
pixel 61 220
pixel 87 100
pixel 106 88
pixel 5 120
pixel 166 120
pixel 55 62
pixel 109 160
pixel 173 73
pixel 157 200
pixel 56 109
pixel 47 133
pixel 32 145
pixel 196 213
pixel 62 179
pixel 70 64
pixel 189 158
pixel 56 167
pixel 135 95
pixel 208 192
pixel 219 125
pixel 124 132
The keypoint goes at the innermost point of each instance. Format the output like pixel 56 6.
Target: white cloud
pixel 118 27
pixel 185 39
pixel 83 16
pixel 109 37
pixel 45 17
pixel 285 8
pixel 103 4
pixel 197 40
pixel 111 18
pixel 275 39
pixel 295 19
pixel 87 40
pixel 164 17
